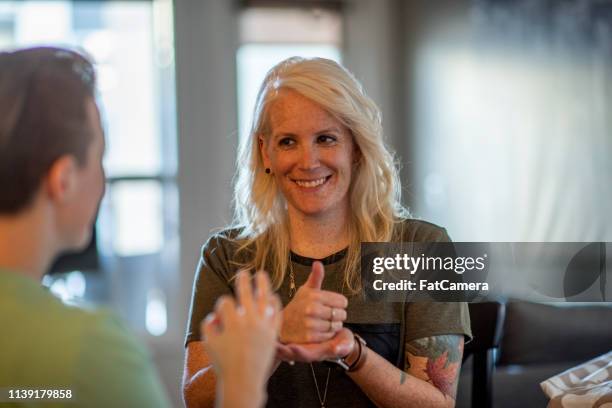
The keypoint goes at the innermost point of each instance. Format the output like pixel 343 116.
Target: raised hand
pixel 241 337
pixel 314 315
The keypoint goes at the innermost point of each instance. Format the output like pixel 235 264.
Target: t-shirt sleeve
pixel 426 319
pixel 114 369
pixel 212 280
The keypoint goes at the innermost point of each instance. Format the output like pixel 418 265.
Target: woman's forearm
pixel 389 387
pixel 199 390
pixel 241 393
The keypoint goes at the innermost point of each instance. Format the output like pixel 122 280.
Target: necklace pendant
pixel 292 290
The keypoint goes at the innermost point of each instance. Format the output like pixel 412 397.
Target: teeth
pixel 310 183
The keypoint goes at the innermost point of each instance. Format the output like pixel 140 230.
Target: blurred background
pixel 499 112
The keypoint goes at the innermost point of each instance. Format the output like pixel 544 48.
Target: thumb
pixel 315 279
pixel 344 342
pixel 210 327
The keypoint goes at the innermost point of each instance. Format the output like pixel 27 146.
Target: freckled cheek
pixel 339 163
pixel 283 163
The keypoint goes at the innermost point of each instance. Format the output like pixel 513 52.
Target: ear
pixel 263 149
pixel 61 179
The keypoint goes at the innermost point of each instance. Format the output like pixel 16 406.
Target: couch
pixel 536 341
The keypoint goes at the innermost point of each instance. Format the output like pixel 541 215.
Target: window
pixel 270 35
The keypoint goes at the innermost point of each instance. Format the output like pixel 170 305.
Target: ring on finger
pixel 333 313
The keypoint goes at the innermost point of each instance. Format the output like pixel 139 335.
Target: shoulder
pixel 54 338
pixel 225 237
pixel 414 230
pixel 223 243
pixel 426 319
pixel 59 320
pixel 103 323
pixel 224 253
pixel 100 326
pixel 124 371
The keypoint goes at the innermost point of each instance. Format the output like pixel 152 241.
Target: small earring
pixel 267 170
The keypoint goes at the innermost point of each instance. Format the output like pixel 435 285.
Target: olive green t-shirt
pixel 46 344
pixel 385 326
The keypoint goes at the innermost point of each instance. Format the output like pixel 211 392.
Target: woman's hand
pixel 314 315
pixel 241 338
pixel 341 345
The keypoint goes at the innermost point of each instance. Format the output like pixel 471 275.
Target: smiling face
pixel 311 155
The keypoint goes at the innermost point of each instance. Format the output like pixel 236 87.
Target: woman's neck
pixel 318 237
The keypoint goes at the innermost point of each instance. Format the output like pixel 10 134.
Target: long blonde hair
pixel 375 191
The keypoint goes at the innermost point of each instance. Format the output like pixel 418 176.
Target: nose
pixel 309 159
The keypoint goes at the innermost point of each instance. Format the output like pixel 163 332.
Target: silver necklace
pixel 292 290
pixel 321 400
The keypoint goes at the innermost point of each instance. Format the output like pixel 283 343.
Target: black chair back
pixel 487 321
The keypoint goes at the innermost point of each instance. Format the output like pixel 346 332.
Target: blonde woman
pixel 314 180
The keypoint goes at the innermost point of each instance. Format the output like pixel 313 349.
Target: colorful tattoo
pixel 436 360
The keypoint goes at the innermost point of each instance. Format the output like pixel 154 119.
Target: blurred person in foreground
pixel 314 180
pixel 240 338
pixel 51 182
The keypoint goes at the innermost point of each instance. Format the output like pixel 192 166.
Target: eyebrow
pixel 333 129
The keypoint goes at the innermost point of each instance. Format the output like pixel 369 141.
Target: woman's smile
pixel 311 184
pixel 310 154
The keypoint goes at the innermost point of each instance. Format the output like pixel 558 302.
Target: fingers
pixel 262 301
pixel 331 299
pixel 315 279
pixel 210 326
pixel 278 314
pixel 339 346
pixel 225 310
pixel 337 315
pixel 284 352
pixel 244 291
pixel 263 285
pixel 319 325
pixel 308 353
pixel 343 343
pixel 323 312
pixel 318 337
pixel 263 294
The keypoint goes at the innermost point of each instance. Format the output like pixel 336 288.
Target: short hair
pixel 375 191
pixel 43 116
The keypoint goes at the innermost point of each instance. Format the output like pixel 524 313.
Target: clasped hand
pixel 311 327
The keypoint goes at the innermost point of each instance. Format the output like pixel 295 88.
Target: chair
pixel 487 321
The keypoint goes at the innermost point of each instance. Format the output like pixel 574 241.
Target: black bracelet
pixel 360 357
pixel 340 363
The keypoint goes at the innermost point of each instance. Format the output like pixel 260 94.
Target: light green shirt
pixel 46 344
